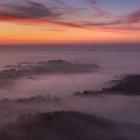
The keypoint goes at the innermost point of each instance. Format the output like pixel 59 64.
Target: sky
pixel 69 21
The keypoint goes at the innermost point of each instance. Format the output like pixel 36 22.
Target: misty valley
pixel 70 95
pixel 69 69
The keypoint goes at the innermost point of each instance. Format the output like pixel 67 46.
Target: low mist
pixel 114 107
pixel 42 86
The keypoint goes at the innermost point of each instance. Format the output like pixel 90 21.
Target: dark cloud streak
pixel 68 8
pixel 98 8
pixel 33 12
pixel 30 10
pixel 133 17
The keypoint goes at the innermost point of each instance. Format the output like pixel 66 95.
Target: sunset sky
pixel 69 21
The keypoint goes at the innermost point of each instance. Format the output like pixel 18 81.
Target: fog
pixel 51 88
pixel 114 107
pixel 111 64
pixel 122 110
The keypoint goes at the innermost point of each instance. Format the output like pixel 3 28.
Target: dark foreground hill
pixel 128 85
pixel 66 126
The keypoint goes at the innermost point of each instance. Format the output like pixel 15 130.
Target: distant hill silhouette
pixel 28 69
pixel 129 85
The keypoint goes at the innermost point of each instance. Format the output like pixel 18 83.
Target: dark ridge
pixel 70 125
pixel 127 85
pixel 33 99
pixel 58 126
pixel 58 61
pixel 27 69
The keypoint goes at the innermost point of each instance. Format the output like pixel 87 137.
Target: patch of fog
pixel 116 107
pixel 56 84
pixel 112 107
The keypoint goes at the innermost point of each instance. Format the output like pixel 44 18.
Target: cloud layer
pixel 62 13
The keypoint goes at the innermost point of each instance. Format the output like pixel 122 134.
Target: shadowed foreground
pixel 127 85
pixel 66 126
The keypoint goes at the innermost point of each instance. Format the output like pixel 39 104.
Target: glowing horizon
pixel 62 21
